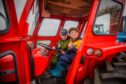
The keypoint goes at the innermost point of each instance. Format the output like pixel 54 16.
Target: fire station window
pixel 69 24
pixel 4 19
pixel 107 18
pixel 49 27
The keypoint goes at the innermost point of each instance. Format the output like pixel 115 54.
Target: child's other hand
pixel 62 52
pixel 70 45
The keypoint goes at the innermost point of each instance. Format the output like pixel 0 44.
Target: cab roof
pixel 70 8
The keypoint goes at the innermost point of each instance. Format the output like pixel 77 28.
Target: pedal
pixel 120 59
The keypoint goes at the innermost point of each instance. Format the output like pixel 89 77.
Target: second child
pixel 67 58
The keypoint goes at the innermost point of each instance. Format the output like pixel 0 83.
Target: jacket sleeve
pixel 77 46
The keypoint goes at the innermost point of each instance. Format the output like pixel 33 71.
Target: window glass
pixel 124 10
pixel 124 24
pixel 49 27
pixel 4 20
pixel 69 24
pixel 19 5
pixel 107 18
pixel 31 21
pixel 82 33
pixel 33 18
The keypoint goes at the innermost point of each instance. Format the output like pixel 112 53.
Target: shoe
pixel 57 71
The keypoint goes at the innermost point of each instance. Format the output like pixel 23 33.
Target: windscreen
pixel 108 17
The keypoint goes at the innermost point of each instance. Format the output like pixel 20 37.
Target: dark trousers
pixel 66 59
pixel 61 65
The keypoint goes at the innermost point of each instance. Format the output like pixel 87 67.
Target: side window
pixel 49 27
pixel 107 18
pixel 69 24
pixel 4 18
pixel 33 17
pixel 83 31
pixel 31 21
pixel 124 24
pixel 19 5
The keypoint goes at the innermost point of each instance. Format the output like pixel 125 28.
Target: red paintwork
pixel 41 62
pixel 72 72
pixel 107 44
pixel 16 40
pixel 8 61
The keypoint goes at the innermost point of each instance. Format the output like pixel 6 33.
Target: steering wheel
pixel 45 46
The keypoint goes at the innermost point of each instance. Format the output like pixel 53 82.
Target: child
pixel 62 46
pixel 66 59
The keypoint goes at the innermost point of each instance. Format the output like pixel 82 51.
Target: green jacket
pixel 64 46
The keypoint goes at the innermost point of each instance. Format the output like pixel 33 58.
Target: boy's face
pixel 74 34
pixel 63 37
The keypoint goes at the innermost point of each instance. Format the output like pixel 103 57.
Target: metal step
pixel 112 75
pixel 122 57
pixel 88 81
pixel 113 78
pixel 120 67
pixel 118 76
pixel 114 81
pixel 119 63
pixel 53 81
pixel 109 66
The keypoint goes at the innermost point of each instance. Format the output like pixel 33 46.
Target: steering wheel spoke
pixel 45 46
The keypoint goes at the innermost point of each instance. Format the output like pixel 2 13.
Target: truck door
pixel 13 41
pixel 98 43
pixel 9 40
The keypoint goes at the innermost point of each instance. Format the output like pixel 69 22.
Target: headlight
pixel 98 53
pixel 90 51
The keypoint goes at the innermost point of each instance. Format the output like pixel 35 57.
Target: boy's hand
pixel 70 45
pixel 62 52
